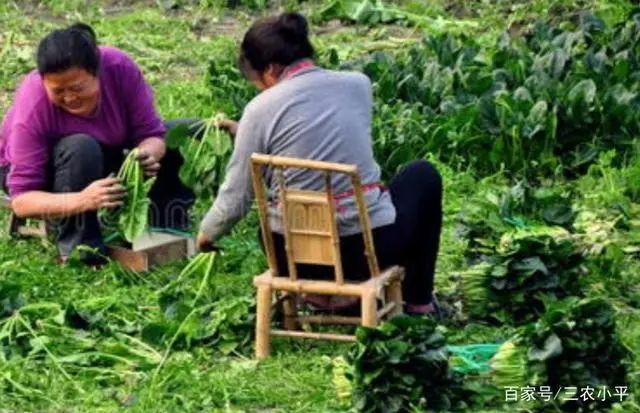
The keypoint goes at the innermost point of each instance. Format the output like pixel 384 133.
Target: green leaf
pixel 176 136
pixel 584 91
pixel 530 266
pixel 523 94
pixel 167 4
pixel 558 61
pixel 552 348
pixel 596 62
pixel 360 12
pixel 558 214
pixel 221 143
pixel 133 218
pixel 148 185
pixel 538 113
pixel 591 23
pixel 11 298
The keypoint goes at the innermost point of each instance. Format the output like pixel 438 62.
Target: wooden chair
pixel 18 226
pixel 311 237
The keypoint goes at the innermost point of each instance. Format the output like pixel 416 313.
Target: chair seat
pixel 348 288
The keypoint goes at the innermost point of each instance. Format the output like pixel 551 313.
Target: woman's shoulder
pixel 349 75
pixel 348 81
pixel 30 96
pixel 113 57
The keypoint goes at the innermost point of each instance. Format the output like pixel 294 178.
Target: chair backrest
pixel 309 217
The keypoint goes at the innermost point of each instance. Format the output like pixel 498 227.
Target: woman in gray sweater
pixel 308 112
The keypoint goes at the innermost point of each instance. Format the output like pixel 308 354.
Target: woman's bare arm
pixel 103 193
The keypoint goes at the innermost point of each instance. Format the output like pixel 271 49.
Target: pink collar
pixel 305 64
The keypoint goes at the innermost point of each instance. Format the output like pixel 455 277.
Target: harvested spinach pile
pixel 527 265
pixel 400 365
pixel 574 344
pixel 106 338
pixel 189 318
pixel 520 247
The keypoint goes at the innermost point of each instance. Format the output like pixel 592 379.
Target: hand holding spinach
pixel 148 161
pixel 132 217
pixel 103 193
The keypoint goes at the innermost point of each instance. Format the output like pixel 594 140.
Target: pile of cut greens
pixel 575 342
pixel 402 364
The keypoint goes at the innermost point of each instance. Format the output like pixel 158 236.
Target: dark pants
pixel 412 241
pixel 78 160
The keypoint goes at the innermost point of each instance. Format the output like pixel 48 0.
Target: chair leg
pixel 394 295
pixel 14 224
pixel 263 322
pixel 42 229
pixel 290 310
pixel 369 308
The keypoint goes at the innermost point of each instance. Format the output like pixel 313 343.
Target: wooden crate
pixel 153 249
pixel 19 226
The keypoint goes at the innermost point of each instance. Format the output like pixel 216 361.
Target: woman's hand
pixel 231 126
pixel 149 153
pixel 148 161
pixel 103 193
pixel 204 244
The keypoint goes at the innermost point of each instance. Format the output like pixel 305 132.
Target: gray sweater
pixel 315 114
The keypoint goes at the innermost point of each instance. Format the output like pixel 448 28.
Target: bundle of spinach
pixel 528 264
pixel 496 209
pixel 132 218
pixel 204 150
pixel 401 365
pixel 573 344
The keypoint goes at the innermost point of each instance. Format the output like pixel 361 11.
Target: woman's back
pixel 324 115
pixel 314 114
pixel 320 115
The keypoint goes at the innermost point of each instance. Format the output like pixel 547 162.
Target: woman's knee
pixel 77 147
pixel 77 160
pixel 423 172
pixel 194 126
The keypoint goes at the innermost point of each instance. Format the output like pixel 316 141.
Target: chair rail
pixel 287 162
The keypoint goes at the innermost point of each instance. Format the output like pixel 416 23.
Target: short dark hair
pixel 282 39
pixel 74 46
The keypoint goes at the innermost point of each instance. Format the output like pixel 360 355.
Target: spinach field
pixel 529 109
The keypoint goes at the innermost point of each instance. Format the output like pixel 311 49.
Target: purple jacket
pixel 33 125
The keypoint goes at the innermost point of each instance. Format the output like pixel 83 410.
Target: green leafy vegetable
pixel 574 341
pixel 400 365
pixel 134 214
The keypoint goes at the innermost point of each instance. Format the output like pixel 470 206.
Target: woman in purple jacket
pixel 65 136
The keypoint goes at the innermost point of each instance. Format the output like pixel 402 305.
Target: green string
pixel 172 232
pixel 473 358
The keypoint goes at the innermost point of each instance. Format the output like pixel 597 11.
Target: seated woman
pixel 65 135
pixel 308 112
